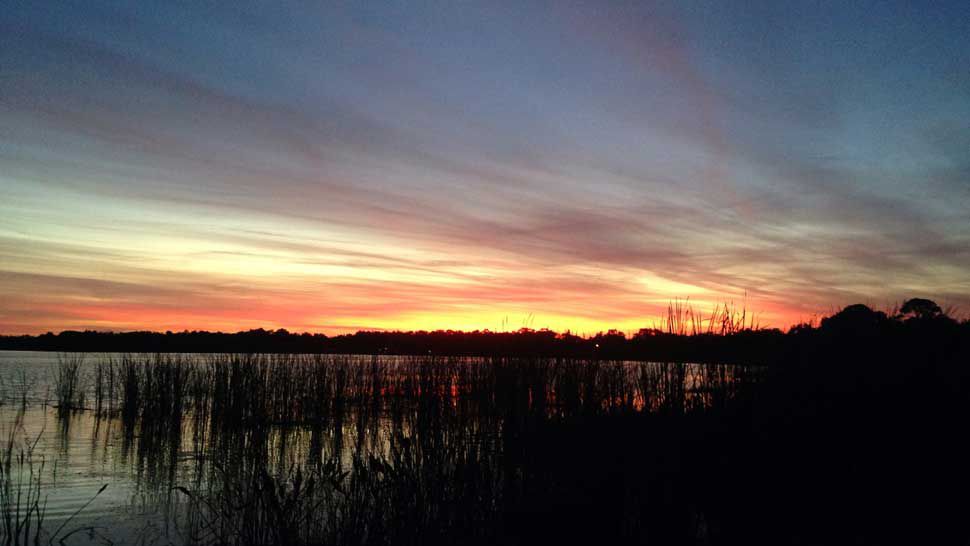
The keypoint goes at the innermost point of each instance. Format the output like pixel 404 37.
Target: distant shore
pixel 681 339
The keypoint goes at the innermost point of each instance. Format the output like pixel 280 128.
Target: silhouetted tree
pixel 856 319
pixel 921 309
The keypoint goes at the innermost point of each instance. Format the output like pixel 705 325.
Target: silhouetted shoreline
pixel 852 435
pixel 748 346
pixel 839 332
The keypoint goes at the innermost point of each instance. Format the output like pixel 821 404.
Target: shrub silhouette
pixel 920 309
pixel 855 319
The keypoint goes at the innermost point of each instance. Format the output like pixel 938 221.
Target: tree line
pixel 918 325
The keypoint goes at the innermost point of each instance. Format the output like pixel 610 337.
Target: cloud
pixel 344 168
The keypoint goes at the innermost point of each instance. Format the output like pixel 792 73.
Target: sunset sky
pixel 413 165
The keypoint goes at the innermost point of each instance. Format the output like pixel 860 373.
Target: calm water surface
pixel 77 453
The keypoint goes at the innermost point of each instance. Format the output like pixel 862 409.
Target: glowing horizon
pixel 478 167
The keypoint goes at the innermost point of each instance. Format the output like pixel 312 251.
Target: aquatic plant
pixel 68 385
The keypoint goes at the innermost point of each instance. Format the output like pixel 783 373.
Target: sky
pixel 418 165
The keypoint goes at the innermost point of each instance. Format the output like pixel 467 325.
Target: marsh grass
pixel 249 449
pixel 682 319
pixel 331 449
pixel 68 386
pixel 22 504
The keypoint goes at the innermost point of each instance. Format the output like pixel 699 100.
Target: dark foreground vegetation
pixel 854 434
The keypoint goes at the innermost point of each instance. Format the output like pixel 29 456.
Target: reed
pixel 330 449
pixel 335 449
pixel 22 504
pixel 68 385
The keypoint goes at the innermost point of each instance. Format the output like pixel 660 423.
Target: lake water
pixel 76 455
pixel 237 416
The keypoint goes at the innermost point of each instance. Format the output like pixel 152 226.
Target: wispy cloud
pixel 328 168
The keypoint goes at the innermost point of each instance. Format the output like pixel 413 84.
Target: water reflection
pixel 253 449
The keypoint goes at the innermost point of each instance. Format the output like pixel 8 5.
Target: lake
pixel 184 442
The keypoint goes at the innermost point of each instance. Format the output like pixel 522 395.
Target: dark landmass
pixel 525 342
pixel 919 326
